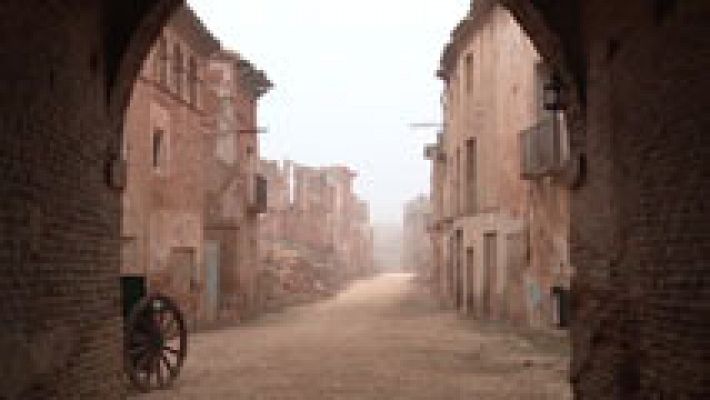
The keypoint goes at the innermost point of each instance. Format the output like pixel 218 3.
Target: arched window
pixel 192 80
pixel 177 69
pixel 161 61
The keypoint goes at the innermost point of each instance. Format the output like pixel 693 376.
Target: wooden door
pixel 471 282
pixel 212 277
pixel 490 261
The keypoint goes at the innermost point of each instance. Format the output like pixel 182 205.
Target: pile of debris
pixel 292 275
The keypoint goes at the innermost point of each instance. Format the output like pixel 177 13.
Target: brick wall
pixel 164 198
pixel 232 154
pixel 647 149
pixel 59 220
pixel 325 216
pixel 639 231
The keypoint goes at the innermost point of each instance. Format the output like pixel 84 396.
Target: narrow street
pixel 383 338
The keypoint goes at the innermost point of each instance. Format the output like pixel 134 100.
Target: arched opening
pixel 624 69
pixel 67 70
pixel 636 89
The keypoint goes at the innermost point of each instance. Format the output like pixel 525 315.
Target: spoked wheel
pixel 155 343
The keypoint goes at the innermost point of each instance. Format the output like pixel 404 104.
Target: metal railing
pixel 541 148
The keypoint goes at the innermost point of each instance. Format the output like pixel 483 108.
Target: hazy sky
pixel 350 76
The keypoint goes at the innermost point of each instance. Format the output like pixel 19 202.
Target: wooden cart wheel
pixel 155 343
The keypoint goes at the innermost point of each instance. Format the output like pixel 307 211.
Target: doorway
pixel 458 256
pixel 490 266
pixel 213 263
pixel 470 281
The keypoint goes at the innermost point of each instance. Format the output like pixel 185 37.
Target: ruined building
pixel 164 134
pixel 235 193
pixel 501 225
pixel 314 215
pixel 193 194
pixel 417 254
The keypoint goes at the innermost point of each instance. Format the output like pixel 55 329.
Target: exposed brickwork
pixel 164 134
pixel 501 240
pixel 639 229
pixel 232 161
pixel 324 216
pixel 61 333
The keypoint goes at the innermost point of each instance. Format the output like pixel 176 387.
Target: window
pixel 192 80
pixel 158 149
pixel 161 61
pixel 457 183
pixel 177 69
pixel 468 70
pixel 542 76
pixel 471 177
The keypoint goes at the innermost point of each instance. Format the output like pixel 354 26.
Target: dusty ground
pixel 383 338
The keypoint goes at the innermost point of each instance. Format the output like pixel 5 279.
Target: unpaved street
pixel 383 338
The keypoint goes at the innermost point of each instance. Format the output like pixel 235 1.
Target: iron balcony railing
pixel 542 148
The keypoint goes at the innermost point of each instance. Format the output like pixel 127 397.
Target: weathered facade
pixel 417 254
pixel 191 205
pixel 316 211
pixel 501 231
pixel 634 85
pixel 164 133
pixel 234 192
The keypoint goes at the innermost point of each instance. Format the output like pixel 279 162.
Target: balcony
pixel 432 152
pixel 543 148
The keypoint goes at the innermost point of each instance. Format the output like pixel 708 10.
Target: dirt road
pixel 383 338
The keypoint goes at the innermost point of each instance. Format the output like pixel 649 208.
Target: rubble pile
pixel 293 275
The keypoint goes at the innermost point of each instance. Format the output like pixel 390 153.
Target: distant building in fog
pixel 417 254
pixel 388 247
pixel 323 215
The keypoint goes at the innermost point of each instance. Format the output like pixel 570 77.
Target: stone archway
pixel 66 71
pixel 638 243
